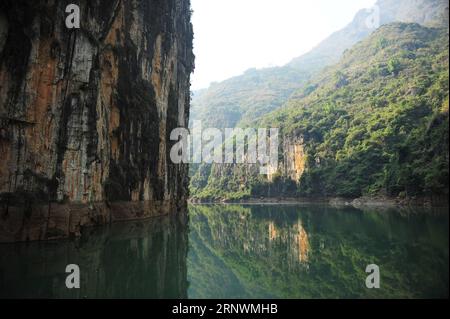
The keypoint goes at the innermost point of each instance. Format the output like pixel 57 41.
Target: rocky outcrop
pixel 293 163
pixel 85 114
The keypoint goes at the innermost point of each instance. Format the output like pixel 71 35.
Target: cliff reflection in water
pixel 276 251
pixel 128 260
pixel 234 251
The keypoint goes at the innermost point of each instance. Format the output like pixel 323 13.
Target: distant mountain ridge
pixel 430 13
pixel 242 100
pixel 245 97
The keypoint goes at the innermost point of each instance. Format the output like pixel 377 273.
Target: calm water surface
pixel 239 251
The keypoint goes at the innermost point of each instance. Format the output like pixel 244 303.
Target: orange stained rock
pixel 299 162
pixel 303 243
pixel 272 231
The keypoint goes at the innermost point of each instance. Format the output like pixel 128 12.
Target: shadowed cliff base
pixel 62 221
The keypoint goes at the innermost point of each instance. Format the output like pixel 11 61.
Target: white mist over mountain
pixel 232 36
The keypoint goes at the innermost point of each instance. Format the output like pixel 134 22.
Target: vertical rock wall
pixel 293 162
pixel 86 114
pixel 294 158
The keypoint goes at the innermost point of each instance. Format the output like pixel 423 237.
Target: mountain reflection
pixel 312 251
pixel 235 251
pixel 294 238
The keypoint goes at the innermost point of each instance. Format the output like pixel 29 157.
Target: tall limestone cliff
pixel 86 114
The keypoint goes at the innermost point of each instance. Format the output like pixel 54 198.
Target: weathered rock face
pixel 293 161
pixel 86 114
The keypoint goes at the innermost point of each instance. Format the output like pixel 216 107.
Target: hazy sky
pixel 232 36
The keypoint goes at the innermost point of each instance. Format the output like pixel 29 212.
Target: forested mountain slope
pixel 246 97
pixel 375 123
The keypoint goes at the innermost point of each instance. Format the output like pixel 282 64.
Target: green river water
pixel 242 251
